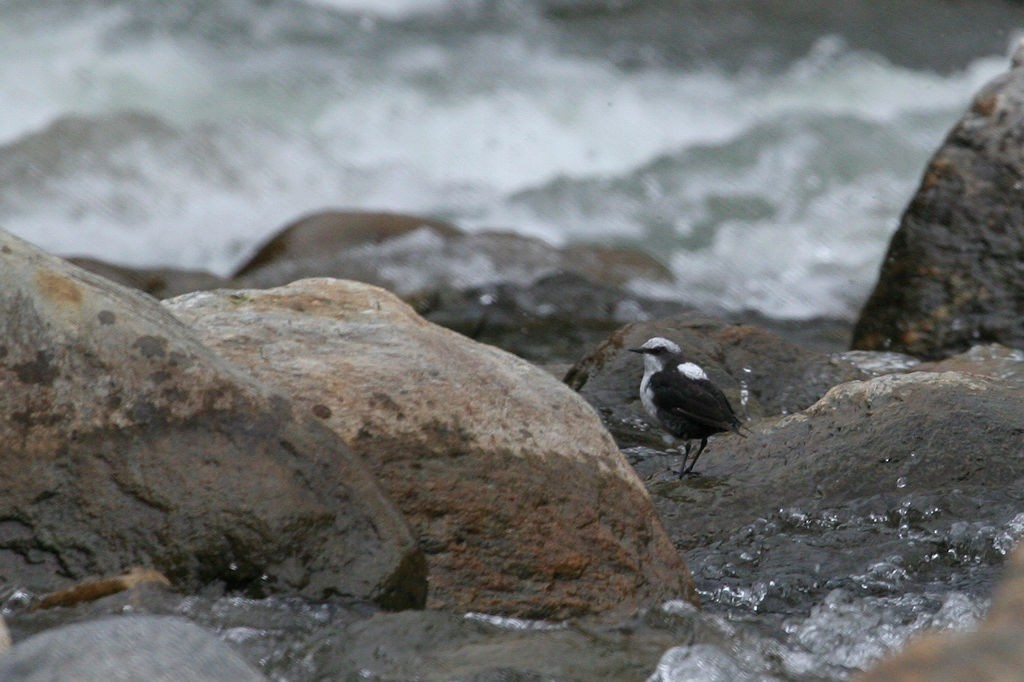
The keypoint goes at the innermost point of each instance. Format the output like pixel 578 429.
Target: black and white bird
pixel 680 397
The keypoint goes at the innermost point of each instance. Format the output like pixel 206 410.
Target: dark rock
pixel 549 320
pixel 522 501
pixel 546 321
pixel 952 277
pixel 759 372
pixel 822 334
pixel 920 431
pixel 126 441
pixel 155 648
pixel 158 282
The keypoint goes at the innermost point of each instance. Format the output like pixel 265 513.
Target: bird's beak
pixel 636 350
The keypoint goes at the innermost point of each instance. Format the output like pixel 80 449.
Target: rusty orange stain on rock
pixel 96 589
pixel 985 104
pixel 58 288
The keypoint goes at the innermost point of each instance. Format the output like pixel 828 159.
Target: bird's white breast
pixel 691 371
pixel 647 395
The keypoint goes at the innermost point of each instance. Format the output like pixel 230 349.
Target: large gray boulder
pixel 952 277
pixel 521 499
pixel 127 442
pixel 126 649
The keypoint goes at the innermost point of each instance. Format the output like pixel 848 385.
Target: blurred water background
pixel 762 150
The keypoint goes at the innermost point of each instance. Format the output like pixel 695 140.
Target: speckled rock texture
pixel 520 498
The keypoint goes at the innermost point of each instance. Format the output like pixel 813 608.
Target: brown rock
pixel 326 232
pixel 952 275
pixel 126 441
pixel 415 256
pixel 521 499
pixel 994 656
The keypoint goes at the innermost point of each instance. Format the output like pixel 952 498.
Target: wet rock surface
pixel 474 445
pixel 128 442
pixel 337 640
pixel 915 432
pixel 952 277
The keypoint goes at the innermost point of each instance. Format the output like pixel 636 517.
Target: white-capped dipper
pixel 679 396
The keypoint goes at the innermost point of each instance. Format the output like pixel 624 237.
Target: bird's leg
pixel 689 469
pixel 686 454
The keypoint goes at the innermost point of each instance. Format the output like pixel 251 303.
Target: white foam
pixel 512 116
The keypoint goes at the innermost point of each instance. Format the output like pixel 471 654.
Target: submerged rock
pixel 413 256
pixel 126 441
pixel 519 496
pixel 154 648
pixel 760 373
pixel 952 277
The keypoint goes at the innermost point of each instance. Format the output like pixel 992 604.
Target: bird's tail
pixel 739 428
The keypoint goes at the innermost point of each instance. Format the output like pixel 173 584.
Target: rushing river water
pixel 764 151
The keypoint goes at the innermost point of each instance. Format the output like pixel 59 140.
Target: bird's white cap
pixel 658 343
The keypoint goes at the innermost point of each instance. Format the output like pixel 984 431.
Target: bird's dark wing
pixel 701 402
